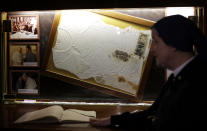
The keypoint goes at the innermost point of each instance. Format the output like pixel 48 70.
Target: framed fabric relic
pixel 101 50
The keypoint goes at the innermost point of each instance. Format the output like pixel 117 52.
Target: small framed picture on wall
pixel 24 54
pixel 25 82
pixel 24 27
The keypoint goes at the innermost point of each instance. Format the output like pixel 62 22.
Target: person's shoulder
pixel 197 67
pixel 200 65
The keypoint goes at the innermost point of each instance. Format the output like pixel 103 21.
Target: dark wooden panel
pixel 46 20
pixel 205 20
pixel 88 4
pixel 1 62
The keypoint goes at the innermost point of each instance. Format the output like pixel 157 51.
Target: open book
pixel 56 114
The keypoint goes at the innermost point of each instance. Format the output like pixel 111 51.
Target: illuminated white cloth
pixel 85 46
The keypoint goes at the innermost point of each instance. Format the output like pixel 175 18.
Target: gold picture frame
pixel 24 54
pixel 24 82
pixel 49 69
pixel 24 27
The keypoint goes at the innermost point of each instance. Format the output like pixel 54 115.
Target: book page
pixel 82 112
pixel 52 111
pixel 74 115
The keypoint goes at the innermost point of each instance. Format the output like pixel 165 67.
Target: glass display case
pixel 98 55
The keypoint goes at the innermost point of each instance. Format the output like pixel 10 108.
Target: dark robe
pixel 180 105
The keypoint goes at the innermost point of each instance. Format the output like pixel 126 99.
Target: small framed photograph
pixel 24 27
pixel 25 82
pixel 24 54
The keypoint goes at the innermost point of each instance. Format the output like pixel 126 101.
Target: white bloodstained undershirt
pixel 89 48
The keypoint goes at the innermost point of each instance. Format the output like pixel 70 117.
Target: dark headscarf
pixel 181 33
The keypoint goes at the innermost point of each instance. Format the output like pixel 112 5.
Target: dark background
pixel 24 5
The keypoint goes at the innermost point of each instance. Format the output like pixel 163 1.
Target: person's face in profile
pixel 20 50
pixel 161 50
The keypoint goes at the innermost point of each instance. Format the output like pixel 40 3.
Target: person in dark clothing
pixel 177 45
pixel 30 56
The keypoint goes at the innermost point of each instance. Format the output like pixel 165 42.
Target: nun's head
pixel 176 33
